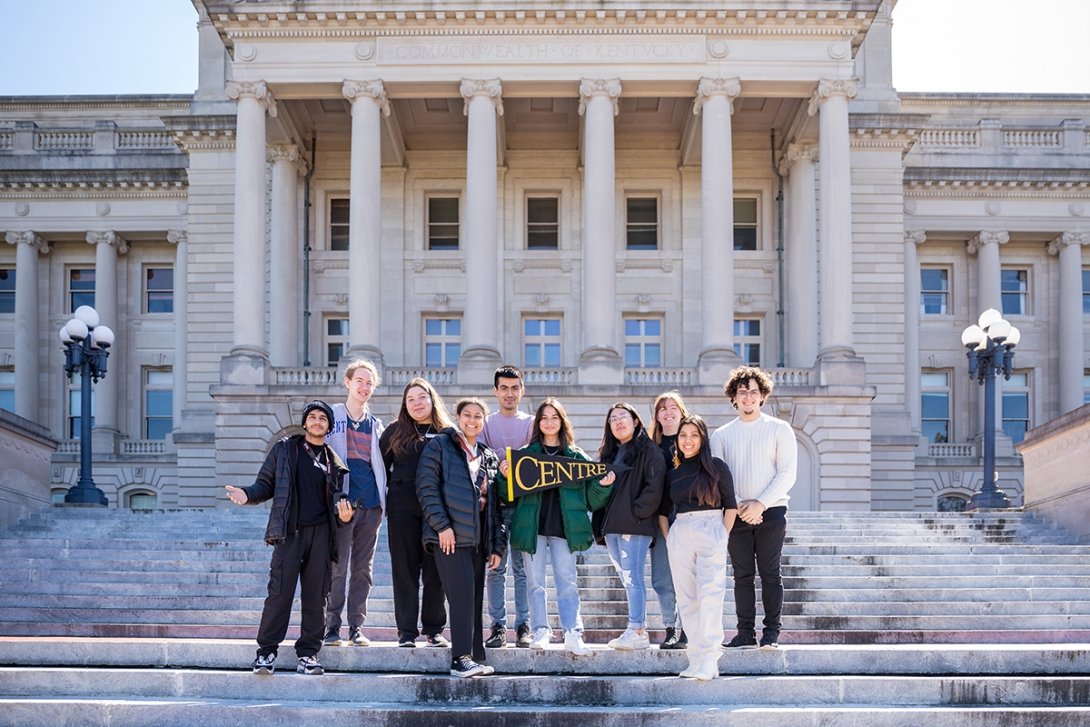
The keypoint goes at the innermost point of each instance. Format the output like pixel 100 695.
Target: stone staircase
pixel 126 618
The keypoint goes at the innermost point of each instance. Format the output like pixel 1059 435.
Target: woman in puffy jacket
pixel 462 527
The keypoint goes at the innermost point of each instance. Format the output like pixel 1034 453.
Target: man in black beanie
pixel 302 475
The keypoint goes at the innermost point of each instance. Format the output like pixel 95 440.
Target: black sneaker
pixel 498 637
pixel 522 636
pixel 768 642
pixel 437 640
pixel 671 640
pixel 309 665
pixel 265 664
pixel 407 642
pixel 742 641
pixel 463 666
pixel 332 637
pixel 682 640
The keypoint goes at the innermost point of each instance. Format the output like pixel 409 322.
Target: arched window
pixel 141 500
pixel 57 496
pixel 952 502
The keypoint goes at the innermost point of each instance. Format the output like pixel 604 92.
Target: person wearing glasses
pixel 761 453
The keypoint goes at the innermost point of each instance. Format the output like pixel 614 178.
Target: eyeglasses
pixel 748 394
pixel 616 418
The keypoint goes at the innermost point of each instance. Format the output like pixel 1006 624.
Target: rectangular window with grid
pixel 158 290
pixel 934 291
pixel 542 223
pixel 747 340
pixel 336 340
pixel 158 402
pixel 1086 291
pixel 642 223
pixel 7 389
pixel 442 223
pixel 81 288
pixel 541 342
pixel 1014 285
pixel 7 290
pixel 74 410
pixel 643 342
pixel 338 223
pixel 745 223
pixel 1016 406
pixel 442 342
pixel 935 406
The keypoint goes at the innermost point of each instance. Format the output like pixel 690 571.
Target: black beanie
pixel 322 407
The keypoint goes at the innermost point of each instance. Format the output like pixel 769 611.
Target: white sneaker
pixel 630 640
pixel 541 638
pixel 573 643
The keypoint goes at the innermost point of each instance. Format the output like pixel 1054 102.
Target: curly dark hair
pixel 740 378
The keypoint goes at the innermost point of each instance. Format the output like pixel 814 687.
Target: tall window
pixel 935 406
pixel 542 223
pixel 541 342
pixel 338 223
pixel 7 290
pixel 159 290
pixel 7 389
pixel 1016 406
pixel 643 342
pixel 642 223
pixel 1086 291
pixel 745 223
pixel 158 402
pixel 336 340
pixel 934 291
pixel 442 223
pixel 747 340
pixel 81 288
pixel 1086 387
pixel 1015 290
pixel 442 341
pixel 74 418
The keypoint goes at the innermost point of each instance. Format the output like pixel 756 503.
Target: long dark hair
pixel 405 434
pixel 567 432
pixel 610 444
pixel 706 488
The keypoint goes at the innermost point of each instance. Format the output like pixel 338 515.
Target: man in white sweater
pixel 762 453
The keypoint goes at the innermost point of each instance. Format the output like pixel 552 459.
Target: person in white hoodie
pixel 762 455
pixel 355 439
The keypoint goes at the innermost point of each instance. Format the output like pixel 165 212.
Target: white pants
pixel 698 559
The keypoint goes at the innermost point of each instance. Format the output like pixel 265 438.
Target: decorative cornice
pixel 372 89
pixel 1068 238
pixel 83 190
pixel 984 238
pixel 489 88
pixel 917 237
pixel 827 88
pixel 608 88
pixel 29 237
pixel 252 89
pixel 169 103
pixel 708 87
pixel 989 188
pixel 177 237
pixel 108 237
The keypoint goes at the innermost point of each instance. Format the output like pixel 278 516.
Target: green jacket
pixel 576 499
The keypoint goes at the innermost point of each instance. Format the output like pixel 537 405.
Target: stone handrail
pixel 142 139
pixel 1032 138
pixel 68 446
pixel 950 138
pixel 436 376
pixel 143 446
pixel 658 377
pixel 557 376
pixel 307 377
pixel 66 140
pixel 951 449
pixel 791 377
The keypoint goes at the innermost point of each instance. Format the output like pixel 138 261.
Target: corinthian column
pixel 912 327
pixel 835 274
pixel 28 245
pixel 108 245
pixel 284 346
pixel 599 361
pixel 369 105
pixel 1072 340
pixel 180 240
pixel 715 101
pixel 249 223
pixel 801 243
pixel 990 295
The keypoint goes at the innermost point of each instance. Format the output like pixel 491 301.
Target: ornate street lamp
pixel 85 343
pixel 991 345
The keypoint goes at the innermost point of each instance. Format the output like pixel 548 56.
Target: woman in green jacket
pixel 554 525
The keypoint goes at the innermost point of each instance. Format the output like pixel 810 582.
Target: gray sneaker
pixel 265 664
pixel 332 638
pixel 309 665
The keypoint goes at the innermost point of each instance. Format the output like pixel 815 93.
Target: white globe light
pixel 989 317
pixel 88 315
pixel 999 330
pixel 77 329
pixel 65 338
pixel 971 336
pixel 1013 338
pixel 102 337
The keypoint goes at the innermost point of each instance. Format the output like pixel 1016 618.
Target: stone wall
pixel 24 467
pixel 1057 471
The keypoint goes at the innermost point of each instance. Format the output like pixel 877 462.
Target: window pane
pixel 552 354
pixel 1016 430
pixel 454 352
pixel 643 210
pixel 641 221
pixel 652 327
pixel 936 432
pixel 1015 406
pixel 443 223
pixel 934 379
pixel 159 402
pixel 632 355
pixel 81 286
pixel 631 327
pixel 433 354
pixel 952 503
pixel 333 353
pixel 542 222
pixel 337 326
pixel 651 355
pixel 7 399
pixel 142 500
pixel 1015 286
pixel 935 406
pixel 747 327
pixel 1086 291
pixel 745 211
pixel 339 213
pixel 642 238
pixel 159 428
pixel 454 327
pixel 160 378
pixel 745 238
pixel 552 326
pixel 433 327
pixel 7 290
pixel 532 355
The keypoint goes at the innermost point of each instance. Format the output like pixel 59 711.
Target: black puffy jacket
pixel 634 506
pixel 450 500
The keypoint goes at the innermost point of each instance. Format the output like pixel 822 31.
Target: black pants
pixel 304 558
pixel 462 573
pixel 409 561
pixel 756 549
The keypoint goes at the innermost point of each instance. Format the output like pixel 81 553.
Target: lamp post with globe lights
pixel 990 345
pixel 85 350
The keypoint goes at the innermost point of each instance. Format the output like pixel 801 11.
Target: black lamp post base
pixel 996 500
pixel 86 496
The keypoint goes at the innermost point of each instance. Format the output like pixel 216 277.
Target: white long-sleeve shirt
pixel 762 456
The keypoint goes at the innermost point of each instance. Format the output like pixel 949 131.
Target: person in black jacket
pixel 629 520
pixel 462 527
pixel 302 475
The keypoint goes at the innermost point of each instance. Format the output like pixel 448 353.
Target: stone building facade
pixel 620 197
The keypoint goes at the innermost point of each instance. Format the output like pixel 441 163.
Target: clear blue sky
pixel 150 46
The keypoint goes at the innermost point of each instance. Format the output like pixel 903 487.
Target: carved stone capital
pixel 489 88
pixel 282 152
pixel 986 237
pixel 29 237
pixel 252 89
pixel 709 87
pixel 915 236
pixel 373 89
pixel 829 87
pixel 797 153
pixel 177 237
pixel 108 237
pixel 1067 238
pixel 609 88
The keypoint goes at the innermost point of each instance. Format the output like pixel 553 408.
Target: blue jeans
pixel 629 556
pixel 496 580
pixel 662 581
pixel 564 575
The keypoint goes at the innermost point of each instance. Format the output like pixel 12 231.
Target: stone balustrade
pixel 1032 138
pixel 659 377
pixel 143 446
pixel 555 376
pixel 950 138
pixel 142 139
pixel 307 377
pixel 946 450
pixel 64 140
pixel 7 140
pixel 48 141
pixel 435 376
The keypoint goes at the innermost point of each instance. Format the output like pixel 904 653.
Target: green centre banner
pixel 529 471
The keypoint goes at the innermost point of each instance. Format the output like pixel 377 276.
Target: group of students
pixel 676 494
